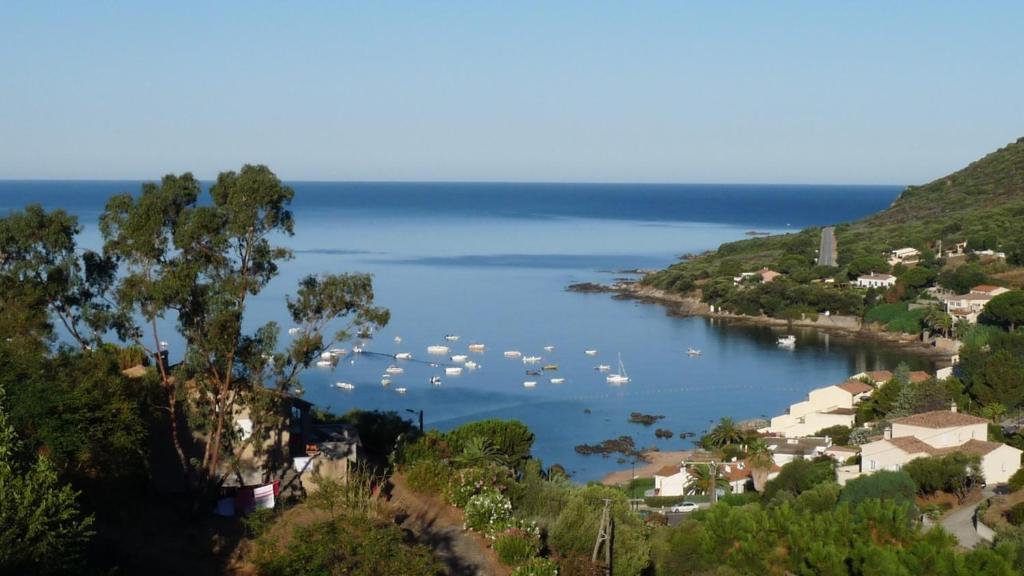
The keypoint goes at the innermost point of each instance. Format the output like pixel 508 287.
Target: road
pixel 961 522
pixel 827 250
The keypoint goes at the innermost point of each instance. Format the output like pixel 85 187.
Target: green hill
pixel 983 204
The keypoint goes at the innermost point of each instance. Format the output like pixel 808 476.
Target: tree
pixel 939 321
pixel 724 433
pixel 955 473
pixel 575 531
pixel 705 479
pixel 760 460
pixel 1007 309
pixel 42 529
pixel 884 485
pixel 800 475
pixel 963 278
pixel 917 277
pixel 839 434
pixel 866 265
pixel 995 372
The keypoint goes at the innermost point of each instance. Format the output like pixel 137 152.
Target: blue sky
pixel 774 92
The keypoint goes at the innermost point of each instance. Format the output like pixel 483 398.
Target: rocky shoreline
pixel 685 305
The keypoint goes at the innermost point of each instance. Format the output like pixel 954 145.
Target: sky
pixel 734 92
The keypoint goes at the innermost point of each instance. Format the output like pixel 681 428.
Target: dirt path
pixel 439 526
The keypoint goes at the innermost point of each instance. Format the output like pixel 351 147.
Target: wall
pixel 999 464
pixel 942 437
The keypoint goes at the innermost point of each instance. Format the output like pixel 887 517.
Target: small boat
pixel 293 331
pixel 590 352
pixel 453 371
pixel 324 363
pixel 394 369
pixel 437 350
pixel 549 348
pixel 788 341
pixel 477 347
pixel 435 380
pixel 451 337
pixel 533 372
pixel 470 365
pixel 558 380
pixel 401 390
pixel 398 339
pixel 621 377
pixel 346 385
pixel 403 356
pixel 603 367
pixel 337 352
pixel 357 349
pixel 693 352
pixel 459 358
pixel 513 353
pixel 529 384
pixel 326 356
pixel 385 381
pixel 531 359
pixel 550 367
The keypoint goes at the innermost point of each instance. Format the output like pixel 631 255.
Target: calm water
pixel 490 262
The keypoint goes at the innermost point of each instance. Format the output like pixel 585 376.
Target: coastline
pixel 653 461
pixel 687 305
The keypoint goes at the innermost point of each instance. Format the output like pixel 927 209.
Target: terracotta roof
pixel 919 376
pixel 881 376
pixel 856 388
pixel 911 445
pixel 940 419
pixel 842 411
pixel 735 473
pixel 985 288
pixel 667 471
pixel 972 446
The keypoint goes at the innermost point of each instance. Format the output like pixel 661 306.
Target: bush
pixel 510 438
pixel 488 511
pixel 1015 515
pixel 537 567
pixel 799 476
pixel 1016 482
pixel 515 547
pixel 428 476
pixel 884 484
pixel 468 482
pixel 840 434
pixel 130 356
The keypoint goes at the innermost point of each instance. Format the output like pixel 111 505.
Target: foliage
pixel 379 432
pixel 1006 309
pixel 799 476
pixel 1015 515
pixel 963 278
pixel 539 496
pixel 898 317
pixel 898 486
pixel 724 433
pixel 995 372
pixel 704 479
pixel 428 476
pixel 663 501
pixel 511 439
pixel 839 434
pixel 488 512
pixel 537 567
pixel 42 529
pixel 515 547
pixel 955 473
pixel 355 546
pixel 468 482
pixel 1016 482
pixel 575 531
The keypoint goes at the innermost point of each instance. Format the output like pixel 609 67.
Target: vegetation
pixel 954 473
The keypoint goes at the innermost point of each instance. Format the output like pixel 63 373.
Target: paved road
pixel 827 250
pixel 961 522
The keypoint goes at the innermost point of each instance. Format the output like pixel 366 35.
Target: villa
pixel 904 256
pixel 829 406
pixel 876 281
pixel 766 275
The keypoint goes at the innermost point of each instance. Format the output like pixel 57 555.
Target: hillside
pixel 982 203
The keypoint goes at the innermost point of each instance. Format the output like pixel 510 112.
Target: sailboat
pixel 621 377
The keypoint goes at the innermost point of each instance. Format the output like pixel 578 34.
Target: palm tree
pixel 724 433
pixel 760 461
pixel 701 480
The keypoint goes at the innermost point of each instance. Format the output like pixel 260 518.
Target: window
pixel 871 463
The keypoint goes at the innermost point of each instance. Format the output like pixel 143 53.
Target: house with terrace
pixel 876 281
pixel 829 406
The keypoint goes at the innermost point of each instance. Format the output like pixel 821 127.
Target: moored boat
pixel 549 348
pixel 693 352
pixel 603 367
pixel 435 380
pixel 590 352
pixel 532 359
pixel 470 365
pixel 394 369
pixel 453 371
pixel 621 377
pixel 529 384
pixel 437 350
pixel 346 385
pixel 513 353
pixel 558 380
pixel 403 356
pixel 459 358
pixel 477 347
pixel 451 337
pixel 788 341
pixel 401 390
pixel 551 367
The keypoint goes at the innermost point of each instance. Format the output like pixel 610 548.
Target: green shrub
pixel 740 499
pixel 428 476
pixel 488 511
pixel 1015 515
pixel 515 547
pixel 1016 482
pixel 468 482
pixel 537 567
pixel 258 521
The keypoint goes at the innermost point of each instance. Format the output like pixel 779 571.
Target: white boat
pixel 558 380
pixel 437 350
pixel 398 339
pixel 621 377
pixel 788 341
pixel 403 356
pixel 357 349
pixel 693 352
pixel 529 384
pixel 326 356
pixel 346 385
pixel 394 370
pixel 532 359
pixel 435 380
pixel 451 337
pixel 453 371
pixel 603 367
pixel 401 390
pixel 460 358
pixel 477 347
pixel 337 352
pixel 470 365
pixel 549 348
pixel 164 345
pixel 513 353
pixel 293 331
pixel 385 381
pixel 590 352
pixel 324 363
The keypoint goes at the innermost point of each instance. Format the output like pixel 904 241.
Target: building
pixel 766 275
pixel 938 433
pixel 829 406
pixel 671 481
pixel 786 450
pixel 967 306
pixel 989 290
pixel 904 256
pixel 739 476
pixel 878 377
pixel 876 281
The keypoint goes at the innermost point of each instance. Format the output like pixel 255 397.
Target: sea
pixel 490 263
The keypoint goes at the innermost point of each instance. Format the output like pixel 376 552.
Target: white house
pixel 989 290
pixel 829 406
pixel 967 306
pixel 786 450
pixel 904 256
pixel 876 281
pixel 938 433
pixel 670 481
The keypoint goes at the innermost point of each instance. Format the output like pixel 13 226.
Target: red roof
pixel 985 288
pixel 856 388
pixel 880 376
pixel 667 471
pixel 919 376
